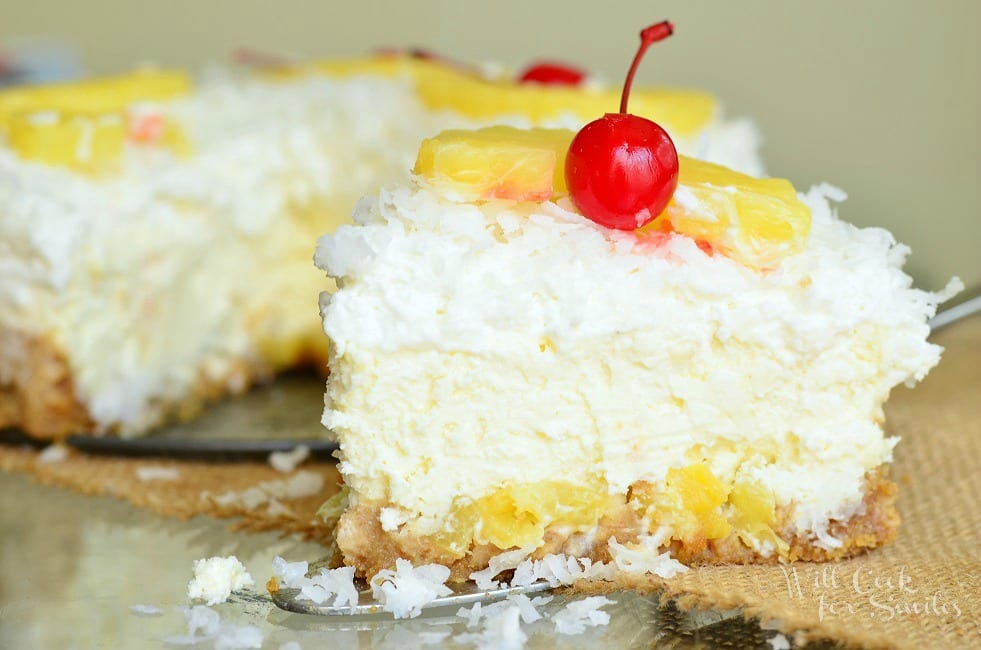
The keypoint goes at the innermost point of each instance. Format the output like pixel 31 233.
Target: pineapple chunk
pixel 86 143
pixel 444 87
pixel 756 221
pixel 701 495
pixel 84 125
pixel 106 95
pixel 754 514
pixel 517 514
pixel 497 162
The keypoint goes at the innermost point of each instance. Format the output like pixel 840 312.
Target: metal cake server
pixel 463 594
pixel 275 417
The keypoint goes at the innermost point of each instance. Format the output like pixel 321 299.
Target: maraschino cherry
pixel 622 169
pixel 553 74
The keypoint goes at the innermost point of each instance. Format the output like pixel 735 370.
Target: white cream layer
pixel 477 345
pixel 175 269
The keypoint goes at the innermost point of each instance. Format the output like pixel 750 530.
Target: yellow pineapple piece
pixel 701 497
pixel 754 514
pixel 441 86
pixel 105 95
pixel 84 125
pixel 497 162
pixel 517 514
pixel 87 143
pixel 756 221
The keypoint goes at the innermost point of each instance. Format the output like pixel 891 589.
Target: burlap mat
pixel 200 488
pixel 921 592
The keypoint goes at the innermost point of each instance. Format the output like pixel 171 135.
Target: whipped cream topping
pixel 476 345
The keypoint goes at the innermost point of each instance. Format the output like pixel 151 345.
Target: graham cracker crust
pixel 366 546
pixel 38 393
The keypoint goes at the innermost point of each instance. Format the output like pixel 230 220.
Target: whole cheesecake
pixel 507 374
pixel 155 233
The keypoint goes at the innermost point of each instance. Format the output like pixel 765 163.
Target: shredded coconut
pixel 391 519
pixel 145 610
pixel 643 557
pixel 299 485
pixel 290 574
pixel 405 591
pixel 499 564
pixel 151 473
pixel 53 454
pixel 580 614
pixel 560 569
pixel 216 577
pixel 287 461
pixel 334 587
pixel 779 642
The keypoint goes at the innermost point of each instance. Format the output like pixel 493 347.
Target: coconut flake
pixel 216 577
pixel 287 461
pixel 53 454
pixel 559 569
pixel 145 610
pixel 151 473
pixel 391 519
pixel 405 591
pixel 336 584
pixel 779 642
pixel 643 557
pixel 301 484
pixel 290 574
pixel 332 586
pixel 473 615
pixel 498 564
pixel 580 614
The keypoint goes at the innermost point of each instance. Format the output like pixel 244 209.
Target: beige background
pixel 879 97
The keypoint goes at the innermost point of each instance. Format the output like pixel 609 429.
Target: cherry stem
pixel 648 36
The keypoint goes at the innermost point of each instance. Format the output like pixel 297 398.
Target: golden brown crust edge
pixel 38 396
pixel 369 548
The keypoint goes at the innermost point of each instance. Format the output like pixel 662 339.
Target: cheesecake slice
pixel 155 232
pixel 506 374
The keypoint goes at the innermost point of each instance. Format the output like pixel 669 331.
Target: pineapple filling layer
pixel 694 505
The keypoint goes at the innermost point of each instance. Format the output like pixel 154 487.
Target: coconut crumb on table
pixel 56 453
pixel 287 461
pixel 304 483
pixel 215 578
pixel 157 473
pixel 779 642
pixel 145 610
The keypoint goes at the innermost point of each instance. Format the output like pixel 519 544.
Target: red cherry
pixel 622 169
pixel 558 74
